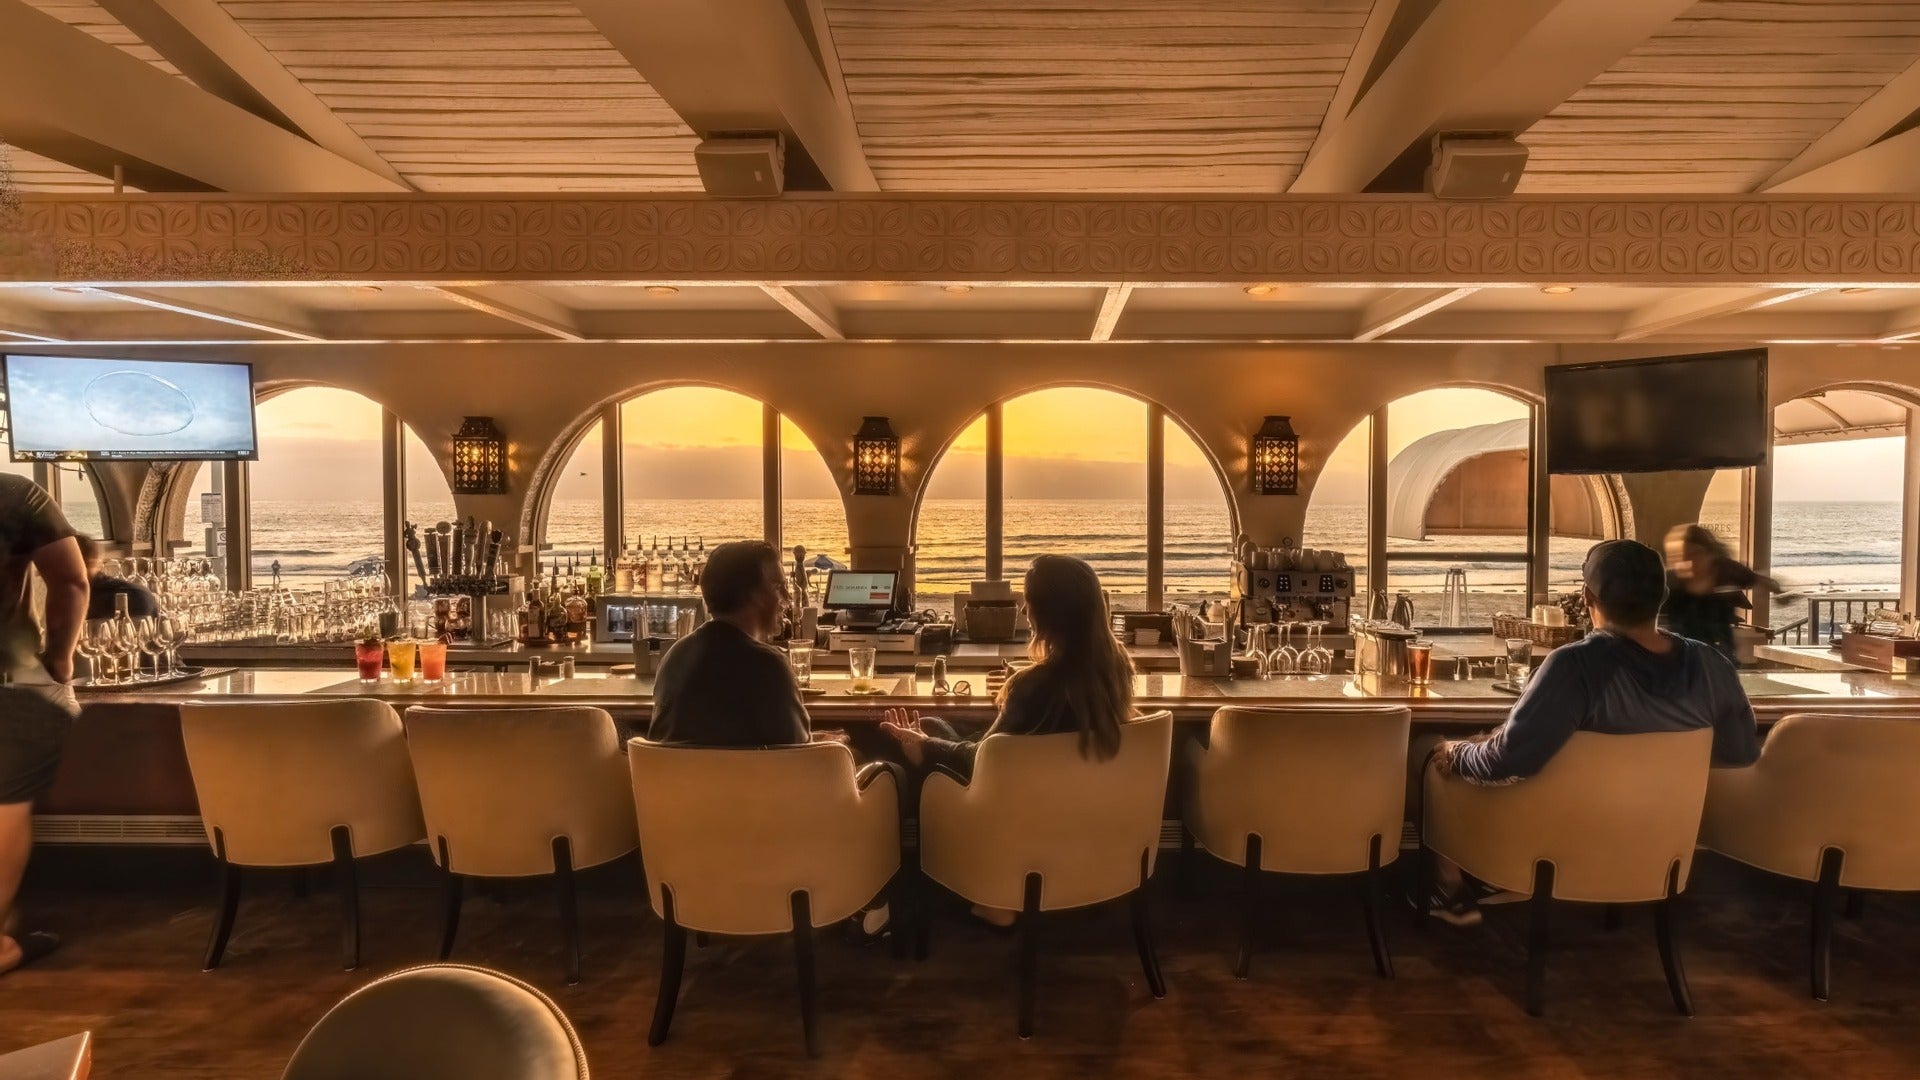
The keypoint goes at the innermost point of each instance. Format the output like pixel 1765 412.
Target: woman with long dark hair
pixel 1081 679
pixel 1706 588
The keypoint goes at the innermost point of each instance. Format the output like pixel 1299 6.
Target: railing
pixel 1828 614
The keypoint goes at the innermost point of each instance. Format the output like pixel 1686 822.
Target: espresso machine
pixel 1289 584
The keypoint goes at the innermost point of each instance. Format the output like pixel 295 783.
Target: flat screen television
pixel 66 408
pixel 1702 411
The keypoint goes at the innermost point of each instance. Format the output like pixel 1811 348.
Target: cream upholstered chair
pixel 1301 791
pixel 521 793
pixel 70 1058
pixel 775 841
pixel 1832 801
pixel 1043 828
pixel 441 1022
pixel 295 784
pixel 1611 819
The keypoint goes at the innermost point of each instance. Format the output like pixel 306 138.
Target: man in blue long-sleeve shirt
pixel 1627 677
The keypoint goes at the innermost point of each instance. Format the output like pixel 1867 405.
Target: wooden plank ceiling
pixel 1091 95
pixel 1727 94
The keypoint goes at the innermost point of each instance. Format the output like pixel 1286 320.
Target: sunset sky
pixel 1065 443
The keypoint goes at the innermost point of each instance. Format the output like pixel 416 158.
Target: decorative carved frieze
pixel 1361 239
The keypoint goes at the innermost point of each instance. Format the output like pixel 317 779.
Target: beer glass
pixel 1420 663
pixel 800 658
pixel 861 659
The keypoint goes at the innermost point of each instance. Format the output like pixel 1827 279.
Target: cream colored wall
pixel 542 395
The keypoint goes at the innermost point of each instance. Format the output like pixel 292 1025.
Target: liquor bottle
pixel 596 579
pixel 656 566
pixel 532 617
pixel 642 569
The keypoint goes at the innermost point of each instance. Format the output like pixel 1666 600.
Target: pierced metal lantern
pixel 479 458
pixel 1276 458
pixel 876 458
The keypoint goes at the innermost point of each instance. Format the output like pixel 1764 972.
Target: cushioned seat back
pixel 1844 782
pixel 733 834
pixel 1315 785
pixel 1038 805
pixel 441 1022
pixel 1613 814
pixel 275 778
pixel 500 784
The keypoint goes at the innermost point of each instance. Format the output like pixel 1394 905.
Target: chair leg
pixel 922 914
pixel 1249 907
pixel 1029 934
pixel 803 965
pixel 1538 910
pixel 1826 896
pixel 1372 903
pixel 450 894
pixel 229 906
pixel 347 882
pixel 1663 916
pixel 673 959
pixel 569 909
pixel 1422 875
pixel 1143 934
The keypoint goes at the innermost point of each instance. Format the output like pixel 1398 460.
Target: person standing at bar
pixel 1706 588
pixel 103 587
pixel 36 664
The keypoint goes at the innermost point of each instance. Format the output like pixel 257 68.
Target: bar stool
pixel 1831 801
pixel 297 784
pixel 513 793
pixel 442 1020
pixel 1300 791
pixel 1042 828
pixel 1611 819
pixel 777 841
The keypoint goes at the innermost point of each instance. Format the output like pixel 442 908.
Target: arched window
pixel 316 509
pixel 1839 542
pixel 1337 510
pixel 1076 466
pixel 69 482
pixel 811 513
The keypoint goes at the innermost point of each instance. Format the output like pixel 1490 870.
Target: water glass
pixel 1519 660
pixel 800 658
pixel 861 659
pixel 1420 663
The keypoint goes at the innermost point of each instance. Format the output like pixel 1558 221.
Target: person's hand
pixel 904 726
pixel 1443 758
pixel 59 668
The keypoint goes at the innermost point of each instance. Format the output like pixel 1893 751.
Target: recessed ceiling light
pixel 1259 290
pixel 1855 290
pixel 369 288
pixel 661 290
pixel 957 290
pixel 71 289
pixel 1556 290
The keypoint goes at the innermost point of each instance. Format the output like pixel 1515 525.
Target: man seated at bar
pixel 1628 677
pixel 723 685
pixel 103 587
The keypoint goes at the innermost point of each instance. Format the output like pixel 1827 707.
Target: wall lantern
pixel 1276 458
pixel 876 458
pixel 479 458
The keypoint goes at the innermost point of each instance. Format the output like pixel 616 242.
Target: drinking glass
pixel 152 642
pixel 861 659
pixel 400 656
pixel 433 661
pixel 367 655
pixel 1420 663
pixel 86 648
pixel 800 658
pixel 1519 660
pixel 173 634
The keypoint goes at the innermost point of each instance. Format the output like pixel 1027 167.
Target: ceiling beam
pixel 217 53
pixel 280 321
pixel 1903 325
pixel 517 306
pixel 1889 166
pixel 739 65
pixel 1403 306
pixel 1699 305
pixel 816 314
pixel 24 324
pixel 1867 124
pixel 66 95
pixel 1476 65
pixel 1111 305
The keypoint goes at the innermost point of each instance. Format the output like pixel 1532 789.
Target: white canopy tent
pixel 1472 481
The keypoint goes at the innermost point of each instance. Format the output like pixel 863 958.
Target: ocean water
pixel 1818 547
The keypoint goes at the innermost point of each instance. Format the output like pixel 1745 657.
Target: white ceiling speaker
pixel 742 166
pixel 1475 165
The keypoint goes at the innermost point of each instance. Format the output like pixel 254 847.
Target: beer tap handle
pixel 493 553
pixel 413 548
pixel 443 541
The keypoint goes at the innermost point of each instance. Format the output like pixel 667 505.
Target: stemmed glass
pixel 1285 660
pixel 104 640
pixel 1317 659
pixel 172 634
pixel 86 648
pixel 148 637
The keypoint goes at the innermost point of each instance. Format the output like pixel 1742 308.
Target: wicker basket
pixel 1551 637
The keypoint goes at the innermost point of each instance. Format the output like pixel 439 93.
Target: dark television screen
pixel 1706 411
pixel 87 409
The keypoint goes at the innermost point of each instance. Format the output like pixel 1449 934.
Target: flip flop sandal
pixel 35 946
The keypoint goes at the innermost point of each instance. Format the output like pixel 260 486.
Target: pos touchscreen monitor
pixel 871 593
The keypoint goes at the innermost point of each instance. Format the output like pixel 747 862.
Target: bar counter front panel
pixel 125 757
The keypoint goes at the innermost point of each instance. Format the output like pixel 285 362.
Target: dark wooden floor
pixel 130 972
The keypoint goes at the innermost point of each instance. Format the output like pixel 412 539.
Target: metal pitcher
pixel 1403 610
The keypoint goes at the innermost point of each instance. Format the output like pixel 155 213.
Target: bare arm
pixel 65 575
